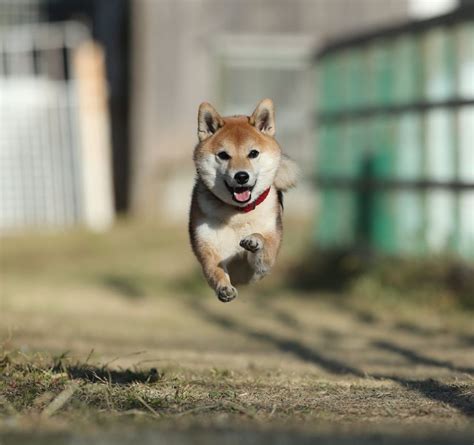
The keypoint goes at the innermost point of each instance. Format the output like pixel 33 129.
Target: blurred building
pixel 231 53
pixel 91 129
pixel 64 112
pixel 47 74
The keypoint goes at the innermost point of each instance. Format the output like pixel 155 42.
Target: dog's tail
pixel 287 174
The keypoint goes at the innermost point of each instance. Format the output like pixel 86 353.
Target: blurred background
pixel 366 321
pixel 375 101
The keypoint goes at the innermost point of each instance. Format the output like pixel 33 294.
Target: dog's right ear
pixel 209 121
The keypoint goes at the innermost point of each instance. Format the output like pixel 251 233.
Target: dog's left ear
pixel 263 118
pixel 209 121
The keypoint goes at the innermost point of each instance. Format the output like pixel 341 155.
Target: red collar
pixel 251 206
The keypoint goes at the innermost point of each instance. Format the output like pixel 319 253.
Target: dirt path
pixel 306 365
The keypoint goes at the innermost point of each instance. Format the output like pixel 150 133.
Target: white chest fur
pixel 223 228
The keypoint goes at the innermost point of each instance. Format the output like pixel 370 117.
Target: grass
pixel 97 395
pixel 441 280
pixel 116 334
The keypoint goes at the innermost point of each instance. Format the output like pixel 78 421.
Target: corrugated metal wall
pixel 396 132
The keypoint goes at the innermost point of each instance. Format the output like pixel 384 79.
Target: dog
pixel 235 222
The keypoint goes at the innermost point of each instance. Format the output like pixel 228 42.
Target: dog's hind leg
pixel 262 254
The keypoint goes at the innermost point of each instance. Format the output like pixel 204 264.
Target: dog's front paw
pixel 226 293
pixel 252 243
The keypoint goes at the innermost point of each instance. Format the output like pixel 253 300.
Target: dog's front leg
pixel 216 275
pixel 262 250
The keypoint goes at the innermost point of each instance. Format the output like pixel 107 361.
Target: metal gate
pixel 45 173
pixel 396 131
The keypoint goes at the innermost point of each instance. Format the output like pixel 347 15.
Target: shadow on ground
pixel 431 279
pixel 420 359
pixel 103 374
pixel 453 395
pixel 125 285
pixel 330 270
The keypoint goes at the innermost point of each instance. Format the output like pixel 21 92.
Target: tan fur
pixel 287 174
pixel 235 247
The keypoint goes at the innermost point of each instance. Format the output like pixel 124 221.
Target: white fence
pixel 45 116
pixel 20 12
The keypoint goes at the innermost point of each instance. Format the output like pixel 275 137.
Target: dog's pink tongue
pixel 242 196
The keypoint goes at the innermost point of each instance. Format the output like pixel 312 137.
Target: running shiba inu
pixel 235 221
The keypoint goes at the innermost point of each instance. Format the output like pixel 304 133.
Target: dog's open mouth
pixel 241 195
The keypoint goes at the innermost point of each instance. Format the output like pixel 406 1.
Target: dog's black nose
pixel 241 177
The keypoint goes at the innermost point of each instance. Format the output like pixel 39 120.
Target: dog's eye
pixel 253 154
pixel 223 155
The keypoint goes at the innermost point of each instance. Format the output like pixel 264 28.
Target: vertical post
pixel 98 213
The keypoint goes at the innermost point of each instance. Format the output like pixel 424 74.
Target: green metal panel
pixel 349 152
pixel 466 224
pixel 439 64
pixel 329 143
pixel 465 156
pixel 336 222
pixel 441 220
pixel 344 80
pixel 408 146
pixel 465 53
pixel 398 224
pixel 440 165
pixel 383 147
pixel 407 70
pixel 409 210
pixel 357 79
pixel 440 149
pixel 398 214
pixel 428 66
pixel 336 226
pixel 382 159
pixel 331 80
pixel 338 150
pixel 321 94
pixel 324 85
pixel 410 226
pixel 465 128
pixel 465 172
pixel 380 59
pixel 383 225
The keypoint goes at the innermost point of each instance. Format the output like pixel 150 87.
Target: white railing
pixel 45 180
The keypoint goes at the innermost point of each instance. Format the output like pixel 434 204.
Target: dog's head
pixel 237 157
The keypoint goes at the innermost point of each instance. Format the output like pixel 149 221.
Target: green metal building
pixel 395 164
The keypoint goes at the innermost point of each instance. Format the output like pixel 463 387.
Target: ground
pixel 116 337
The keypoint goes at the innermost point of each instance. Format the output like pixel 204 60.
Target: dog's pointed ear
pixel 209 121
pixel 263 118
